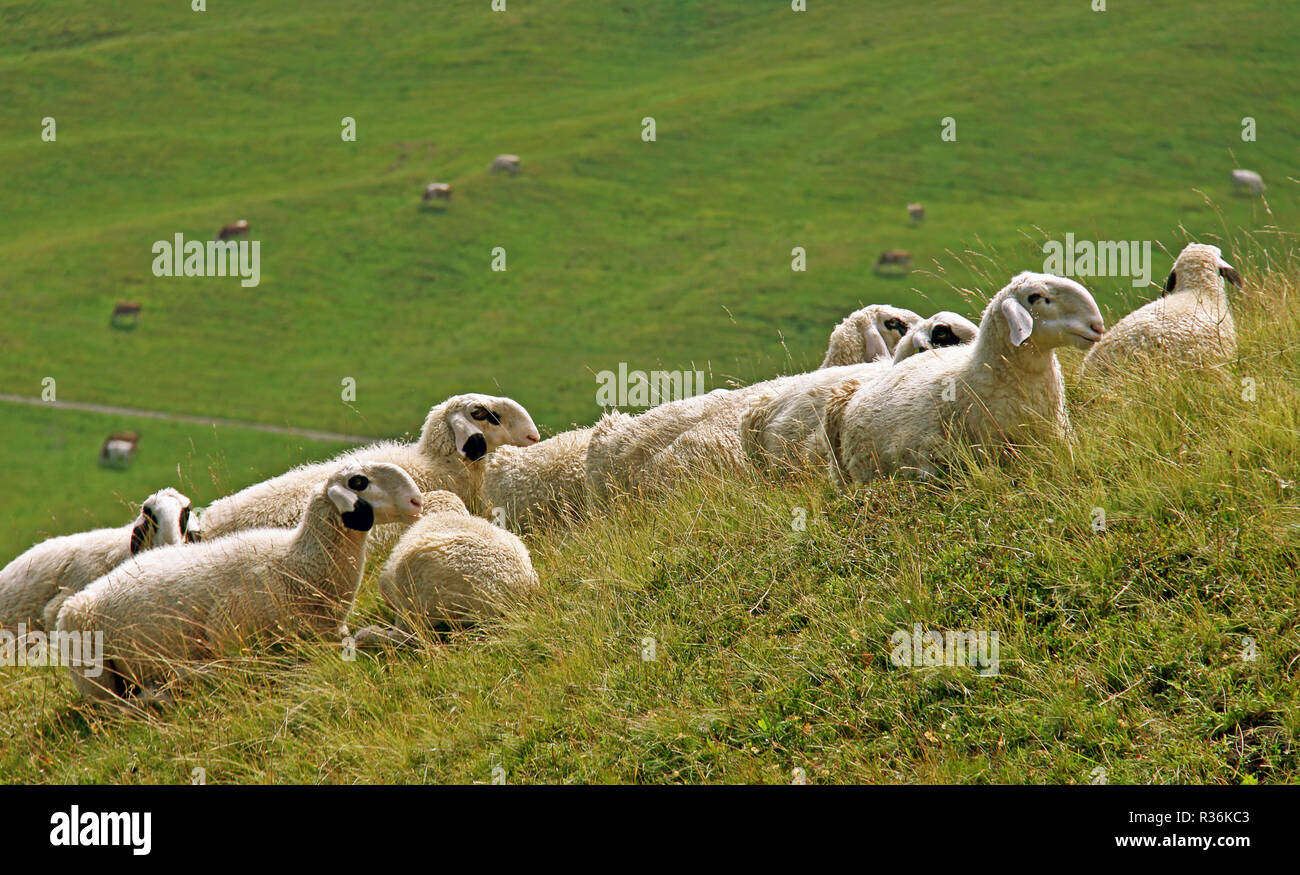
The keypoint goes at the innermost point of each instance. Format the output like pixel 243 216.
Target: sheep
pixel 234 229
pixel 899 258
pixel 176 605
pixel 995 391
pixel 916 212
pixel 118 449
pixel 437 191
pixel 450 569
pixel 538 484
pixel 1190 325
pixel 505 162
pixel 457 434
pixel 942 329
pixel 784 427
pixel 35 585
pixel 868 334
pixel 1247 182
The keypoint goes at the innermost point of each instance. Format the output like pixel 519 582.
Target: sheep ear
pixel 143 525
pixel 921 340
pixel 1229 273
pixel 1169 283
pixel 1019 320
pixel 874 345
pixel 470 442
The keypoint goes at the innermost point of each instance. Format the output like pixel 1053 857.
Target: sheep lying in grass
pixel 784 427
pixel 1190 326
pixel 34 586
pixel 540 484
pixel 457 434
pixel 944 328
pixel 1002 388
pixel 868 334
pixel 450 569
pixel 177 604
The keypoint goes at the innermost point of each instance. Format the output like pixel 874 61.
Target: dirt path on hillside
pixel 309 433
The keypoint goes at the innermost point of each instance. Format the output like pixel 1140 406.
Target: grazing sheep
pixel 457 434
pixel 917 212
pixel 785 426
pixel 126 314
pixel 450 569
pixel 893 258
pixel 538 484
pixel 1190 325
pixel 234 229
pixel 38 582
pixel 505 162
pixel 942 329
pixel 180 604
pixel 1247 182
pixel 118 449
pixel 996 391
pixel 868 334
pixel 437 191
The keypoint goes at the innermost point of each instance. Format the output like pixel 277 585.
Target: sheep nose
pixel 418 504
pixel 532 438
pixel 1098 327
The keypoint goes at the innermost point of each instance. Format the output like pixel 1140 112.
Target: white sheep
pixel 450 569
pixel 505 162
pixel 1190 326
pixel 944 328
pixel 784 426
pixel 538 484
pixel 456 436
pixel 34 586
pixel 868 334
pixel 175 605
pixel 1247 181
pixel 999 390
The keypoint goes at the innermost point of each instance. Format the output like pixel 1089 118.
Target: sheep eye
pixel 482 414
pixel 358 483
pixel 1037 297
pixel 896 325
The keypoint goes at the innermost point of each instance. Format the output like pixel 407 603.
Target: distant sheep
pixel 1247 182
pixel 1190 326
pixel 917 212
pixel 999 390
pixel 893 258
pixel 505 162
pixel 234 229
pixel 35 585
pixel 118 448
pixel 126 314
pixel 437 191
pixel 175 605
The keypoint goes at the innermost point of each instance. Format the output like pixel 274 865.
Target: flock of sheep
pixel 893 395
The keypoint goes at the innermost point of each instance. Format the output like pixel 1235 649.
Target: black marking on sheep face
pixel 358 483
pixel 482 414
pixel 142 530
pixel 1171 282
pixel 896 326
pixel 185 524
pixel 361 518
pixel 941 335
pixel 1034 298
pixel 475 447
pixel 1230 274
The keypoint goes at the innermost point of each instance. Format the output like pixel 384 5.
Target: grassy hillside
pixel 774 130
pixel 1120 650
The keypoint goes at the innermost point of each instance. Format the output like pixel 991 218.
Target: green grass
pixel 775 130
